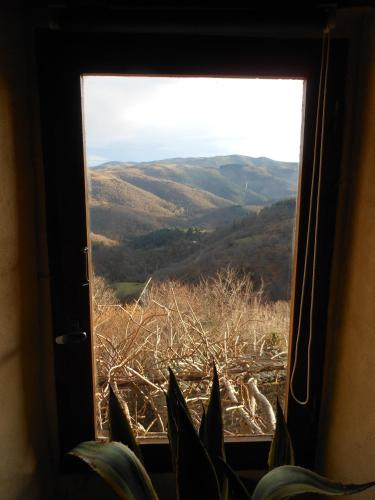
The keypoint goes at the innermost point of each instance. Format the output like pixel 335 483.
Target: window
pixel 63 59
pixel 192 186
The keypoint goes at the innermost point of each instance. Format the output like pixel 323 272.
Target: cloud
pixel 145 118
pixel 93 159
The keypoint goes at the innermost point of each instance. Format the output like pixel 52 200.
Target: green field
pixel 245 241
pixel 125 289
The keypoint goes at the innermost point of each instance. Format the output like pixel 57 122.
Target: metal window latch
pixel 85 251
pixel 76 336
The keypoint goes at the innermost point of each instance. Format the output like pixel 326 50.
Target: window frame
pixel 62 58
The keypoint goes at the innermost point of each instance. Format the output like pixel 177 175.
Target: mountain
pixel 118 208
pixel 131 198
pixel 259 245
pixel 185 218
pixel 240 179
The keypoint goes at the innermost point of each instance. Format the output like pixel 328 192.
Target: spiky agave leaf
pixel 202 426
pixel 195 473
pixel 119 467
pixel 120 428
pixel 174 397
pixel 236 487
pixel 172 431
pixel 281 451
pixel 213 432
pixel 175 393
pixel 290 480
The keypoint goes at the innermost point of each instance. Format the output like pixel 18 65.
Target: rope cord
pixel 316 186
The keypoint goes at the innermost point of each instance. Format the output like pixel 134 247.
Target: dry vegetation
pixel 185 327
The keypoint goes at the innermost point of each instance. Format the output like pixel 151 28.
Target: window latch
pixel 76 336
pixel 85 251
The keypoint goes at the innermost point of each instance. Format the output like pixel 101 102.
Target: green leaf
pixel 120 428
pixel 119 467
pixel 213 435
pixel 236 486
pixel 195 473
pixel 281 451
pixel 290 480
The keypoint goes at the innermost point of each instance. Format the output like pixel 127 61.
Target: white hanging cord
pixel 317 166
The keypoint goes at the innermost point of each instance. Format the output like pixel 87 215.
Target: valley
pixel 188 218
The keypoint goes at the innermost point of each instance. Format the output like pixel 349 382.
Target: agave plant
pixel 198 458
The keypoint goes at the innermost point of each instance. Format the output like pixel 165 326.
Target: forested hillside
pixel 185 218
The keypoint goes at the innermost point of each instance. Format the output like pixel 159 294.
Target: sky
pixel 153 118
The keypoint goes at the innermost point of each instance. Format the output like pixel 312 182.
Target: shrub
pixel 185 327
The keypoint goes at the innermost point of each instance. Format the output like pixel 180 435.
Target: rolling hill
pixel 185 218
pixel 118 208
pixel 128 199
pixel 240 179
pixel 260 245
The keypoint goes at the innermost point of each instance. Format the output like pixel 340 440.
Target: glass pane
pixel 192 194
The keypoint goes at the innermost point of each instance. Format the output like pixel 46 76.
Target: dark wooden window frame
pixel 63 57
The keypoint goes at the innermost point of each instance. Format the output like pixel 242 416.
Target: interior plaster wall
pixel 26 413
pixel 348 423
pixel 27 418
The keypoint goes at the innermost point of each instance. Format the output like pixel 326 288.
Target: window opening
pixel 192 188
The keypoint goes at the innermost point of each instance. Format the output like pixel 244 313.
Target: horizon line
pixel 100 162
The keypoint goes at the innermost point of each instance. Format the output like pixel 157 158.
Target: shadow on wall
pixel 27 430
